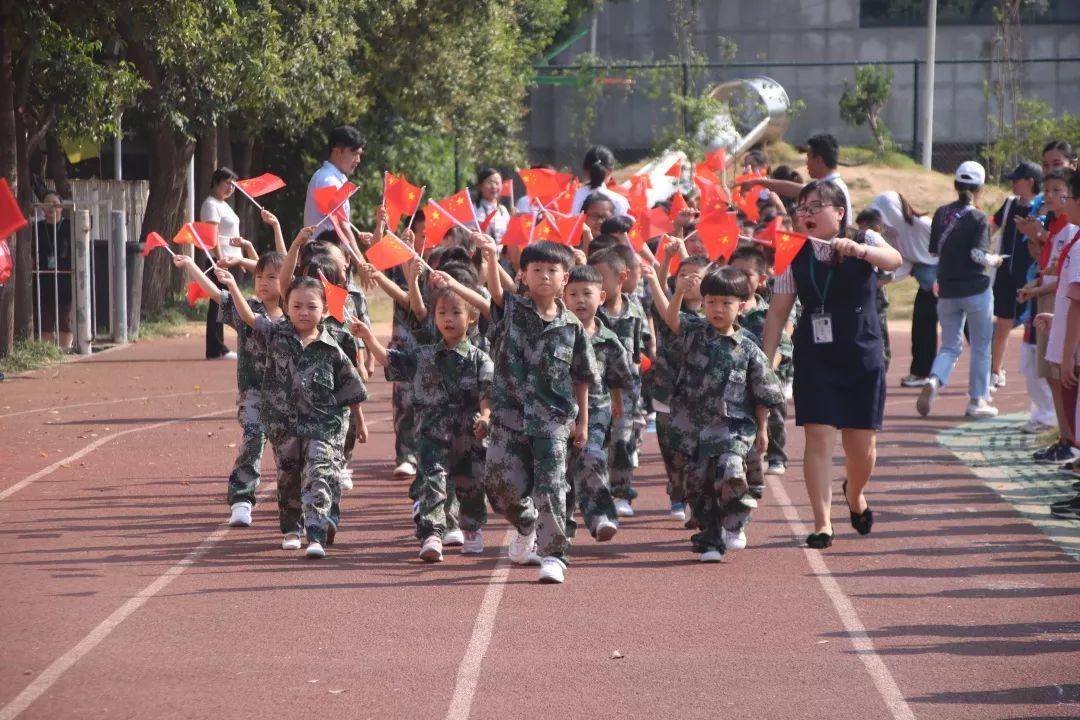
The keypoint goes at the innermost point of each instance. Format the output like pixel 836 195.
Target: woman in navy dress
pixel 839 360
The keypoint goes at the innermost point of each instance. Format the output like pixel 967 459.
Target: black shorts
pixel 1005 305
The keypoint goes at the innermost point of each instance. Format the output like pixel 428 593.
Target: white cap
pixel 970 172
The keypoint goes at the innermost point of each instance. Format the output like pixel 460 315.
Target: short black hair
pixel 726 281
pixel 271 259
pixel 1074 184
pixel 443 293
pixel 462 271
pixel 1061 174
pixel 585 274
pixel 830 194
pixel 694 261
pixel 452 255
pixel 306 283
pixel 345 136
pixel 221 175
pixel 321 263
pixel 1062 146
pixel 629 257
pixel 596 197
pixel 825 146
pixel 756 157
pixel 869 216
pixel 752 253
pixel 602 242
pixel 616 224
pixel 546 251
pixel 610 258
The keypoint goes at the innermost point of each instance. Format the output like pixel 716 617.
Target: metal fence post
pixel 84 333
pixel 915 110
pixel 118 277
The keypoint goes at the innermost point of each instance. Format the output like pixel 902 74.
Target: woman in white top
pixel 216 210
pixel 485 195
pixel 599 164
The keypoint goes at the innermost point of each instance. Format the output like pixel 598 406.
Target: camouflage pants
pixel 777 435
pixel 667 454
pixel 404 424
pixel 719 488
pixel 755 470
pixel 308 480
pixel 525 477
pixel 626 433
pixel 244 478
pixel 587 472
pixel 344 452
pixel 451 485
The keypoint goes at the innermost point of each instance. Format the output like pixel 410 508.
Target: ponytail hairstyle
pixel 907 211
pixel 966 191
pixel 598 163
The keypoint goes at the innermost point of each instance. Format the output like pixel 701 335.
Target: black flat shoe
pixel 862 522
pixel 819 541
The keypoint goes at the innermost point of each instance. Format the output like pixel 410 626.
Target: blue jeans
pixel 952 313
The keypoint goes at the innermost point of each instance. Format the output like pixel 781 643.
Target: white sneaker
pixel 552 570
pixel 474 543
pixel 678 511
pixel 291 541
pixel 927 395
pixel 734 540
pixel 228 356
pixel 241 514
pixel 522 550
pixel 315 551
pixel 605 530
pixel 980 409
pixel 712 556
pixel 623 508
pixel 998 379
pixel 405 469
pixel 431 550
pixel 453 537
pixel 993 386
pixel 1034 427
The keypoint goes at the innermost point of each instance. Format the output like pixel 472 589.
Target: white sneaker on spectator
pixel 1034 427
pixel 522 550
pixel 405 469
pixel 315 551
pixel 734 540
pixel 998 379
pixel 623 508
pixel 980 409
pixel 454 537
pixel 912 381
pixel 552 570
pixel 474 542
pixel 227 356
pixel 291 541
pixel 927 395
pixel 241 514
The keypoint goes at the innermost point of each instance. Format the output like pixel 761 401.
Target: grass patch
pixel 30 355
pixel 902 298
pixel 173 319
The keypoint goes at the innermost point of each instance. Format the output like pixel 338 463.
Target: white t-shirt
pixel 497 228
pixel 835 179
pixel 1070 273
pixel 1057 244
pixel 228 224
pixel 622 206
pixel 325 175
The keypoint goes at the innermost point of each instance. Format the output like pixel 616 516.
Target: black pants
pixel 215 330
pixel 923 333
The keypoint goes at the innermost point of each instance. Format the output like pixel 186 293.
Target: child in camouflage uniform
pixel 307 380
pixel 633 287
pixel 245 475
pixel 544 366
pixel 588 466
pixel 449 384
pixel 618 314
pixel 674 435
pixel 733 389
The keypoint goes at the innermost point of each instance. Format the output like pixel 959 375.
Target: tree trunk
pixel 8 172
pixel 206 161
pixel 170 154
pixel 23 279
pixel 249 220
pixel 224 153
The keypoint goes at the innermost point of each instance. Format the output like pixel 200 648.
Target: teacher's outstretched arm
pixel 775 320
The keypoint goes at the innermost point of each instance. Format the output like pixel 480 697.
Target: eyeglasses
pixel 812 208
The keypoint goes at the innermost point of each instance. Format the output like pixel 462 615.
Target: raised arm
pixel 279 241
pixel 478 301
pixel 388 286
pixel 492 268
pixel 659 295
pixel 192 270
pixel 242 308
pixel 364 332
pixel 289 266
pixel 416 298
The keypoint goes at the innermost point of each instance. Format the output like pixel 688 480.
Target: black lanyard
pixel 822 293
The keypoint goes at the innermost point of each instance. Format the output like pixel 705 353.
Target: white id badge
pixel 822 326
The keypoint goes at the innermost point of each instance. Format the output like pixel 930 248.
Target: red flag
pixel 153 240
pixel 388 253
pixel 616 187
pixel 486 222
pixel 11 218
pixel 638 196
pixel 659 222
pixel 678 204
pixel 543 184
pixel 646 363
pixel 564 203
pixel 195 291
pixel 786 245
pixel 638 235
pixel 719 233
pixel 400 198
pixel 436 224
pixel 746 200
pixel 336 297
pixel 716 160
pixel 775 226
pixel 675 170
pixel 674 262
pixel 197 233
pixel 507 189
pixel 518 230
pixel 565 231
pixel 262 185
pixel 460 207
pixel 712 196
pixel 328 198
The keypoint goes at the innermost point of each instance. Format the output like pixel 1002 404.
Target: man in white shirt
pixel 822 159
pixel 346 148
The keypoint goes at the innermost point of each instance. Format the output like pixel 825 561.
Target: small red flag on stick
pixel 400 197
pixel 11 218
pixel 195 291
pixel 153 240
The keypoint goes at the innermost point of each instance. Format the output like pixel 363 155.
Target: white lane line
pixel 468 673
pixel 113 402
pixel 98 443
pixel 864 647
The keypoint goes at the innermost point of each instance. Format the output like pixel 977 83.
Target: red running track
pixel 128 597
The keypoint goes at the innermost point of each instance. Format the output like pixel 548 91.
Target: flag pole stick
pixel 338 206
pixel 244 193
pixel 417 209
pixel 423 262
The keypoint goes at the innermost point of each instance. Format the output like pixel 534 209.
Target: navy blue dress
pixel 841 383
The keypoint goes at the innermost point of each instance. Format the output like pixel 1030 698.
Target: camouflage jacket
pixel 250 350
pixel 613 366
pixel 537 365
pixel 660 380
pixel 447 384
pixel 722 380
pixel 753 322
pixel 305 388
pixel 629 326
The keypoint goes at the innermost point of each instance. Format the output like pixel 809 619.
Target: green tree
pixel 1024 139
pixel 863 103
